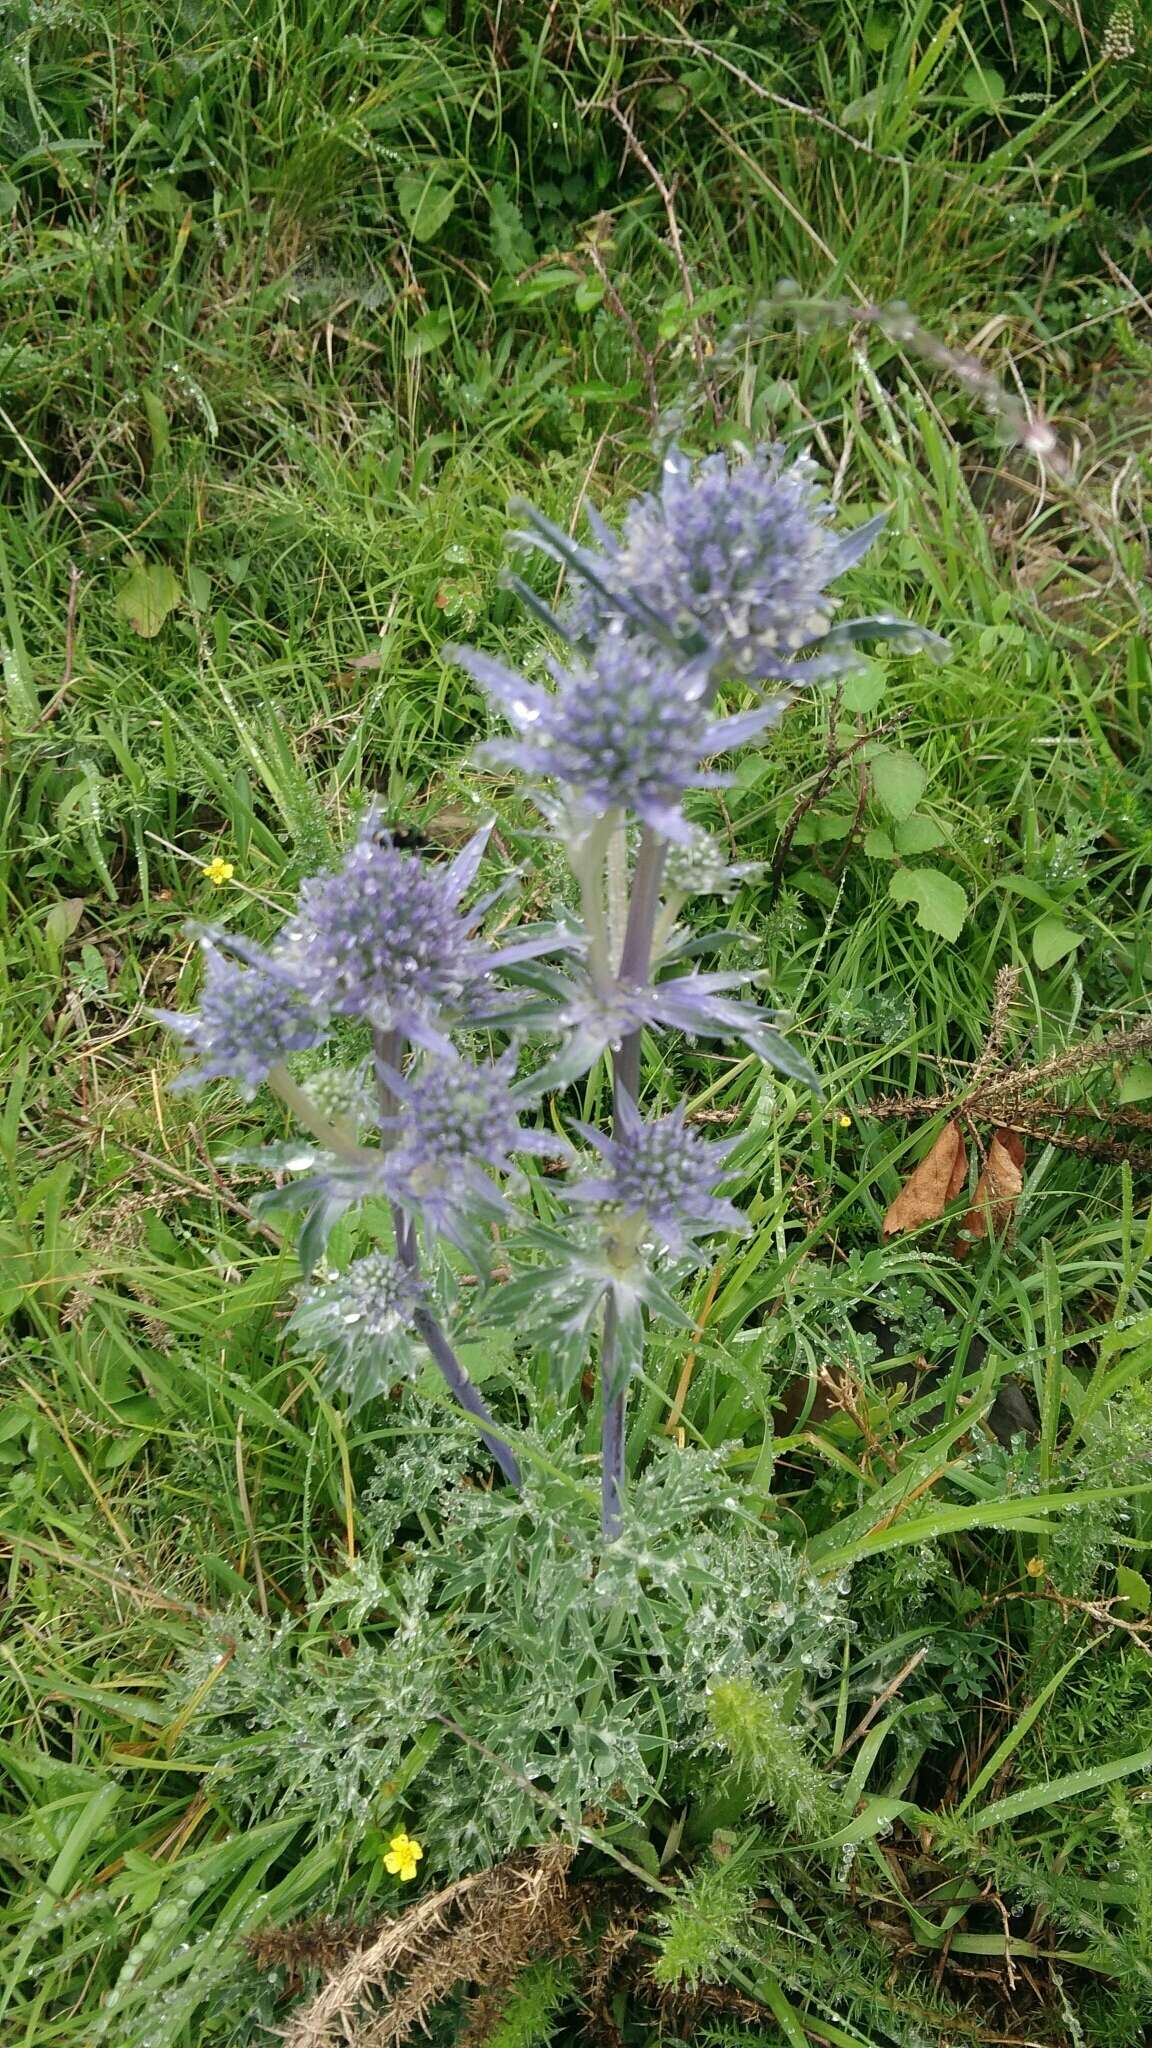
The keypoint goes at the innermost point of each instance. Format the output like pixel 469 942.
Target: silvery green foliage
pixel 583 1675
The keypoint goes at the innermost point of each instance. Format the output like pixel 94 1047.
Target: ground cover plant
pixel 314 1725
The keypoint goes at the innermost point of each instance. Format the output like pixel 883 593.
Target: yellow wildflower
pixel 845 1123
pixel 1036 1567
pixel 219 871
pixel 404 1853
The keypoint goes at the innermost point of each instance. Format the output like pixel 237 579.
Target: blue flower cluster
pixel 716 588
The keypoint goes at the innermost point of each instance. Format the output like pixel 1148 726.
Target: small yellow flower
pixel 219 871
pixel 404 1853
pixel 1036 1567
pixel 845 1123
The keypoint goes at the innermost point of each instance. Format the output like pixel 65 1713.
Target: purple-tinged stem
pixel 466 1393
pixel 636 955
pixel 635 962
pixel 612 1436
pixel 388 1051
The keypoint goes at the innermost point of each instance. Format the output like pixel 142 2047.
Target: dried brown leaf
pixel 997 1190
pixel 930 1186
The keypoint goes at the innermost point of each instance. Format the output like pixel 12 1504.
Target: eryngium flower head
pixel 458 1125
pixel 360 1323
pixel 382 937
pixel 735 559
pixel 700 867
pixel 662 1173
pixel 249 1020
pixel 626 729
pixel 343 1095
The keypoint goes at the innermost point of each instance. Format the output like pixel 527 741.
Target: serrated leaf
pixel 511 244
pixel 1053 940
pixel 878 844
pixel 425 203
pixel 898 781
pixel 918 835
pixel 864 688
pixel 146 597
pixel 941 905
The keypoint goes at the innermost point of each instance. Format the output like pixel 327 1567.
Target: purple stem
pixel 635 962
pixel 388 1048
pixel 636 954
pixel 466 1394
pixel 612 1437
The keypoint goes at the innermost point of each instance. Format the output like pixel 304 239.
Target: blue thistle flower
pixel 728 563
pixel 660 1173
pixel 627 728
pixel 360 1323
pixel 459 1124
pixel 249 1019
pixel 383 938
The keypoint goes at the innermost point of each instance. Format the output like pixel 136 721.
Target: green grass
pixel 227 355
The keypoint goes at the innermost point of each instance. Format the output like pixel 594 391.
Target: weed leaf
pixel 941 905
pixel 147 596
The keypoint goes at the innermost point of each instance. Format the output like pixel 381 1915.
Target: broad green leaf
pixel 941 905
pixel 918 835
pixel 898 781
pixel 1137 1083
pixel 147 595
pixel 1053 940
pixel 820 827
pixel 425 203
pixel 428 333
pixel 879 844
pixel 865 688
pixel 984 86
pixel 1133 1587
pixel 62 919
